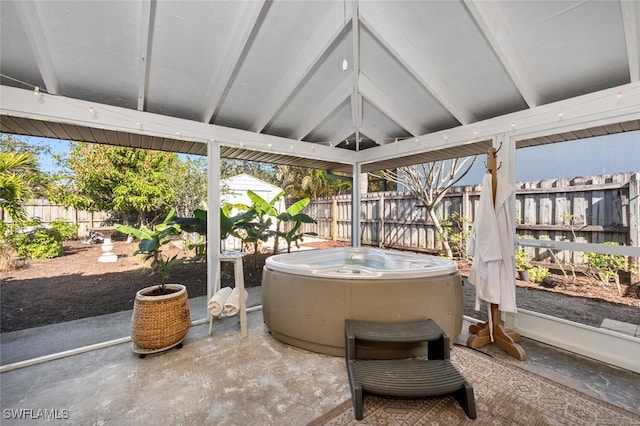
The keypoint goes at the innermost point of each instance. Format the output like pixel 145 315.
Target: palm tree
pixel 19 177
pixel 299 182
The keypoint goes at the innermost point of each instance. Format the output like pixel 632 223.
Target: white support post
pixel 213 215
pixel 355 206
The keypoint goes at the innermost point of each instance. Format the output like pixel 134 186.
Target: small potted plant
pixel 523 264
pixel 161 316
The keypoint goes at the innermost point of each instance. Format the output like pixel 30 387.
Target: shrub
pixel 67 230
pixel 8 255
pixel 537 274
pixel 39 244
pixel 457 239
pixel 605 267
pixel 522 260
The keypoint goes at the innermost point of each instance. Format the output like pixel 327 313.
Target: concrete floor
pixel 221 379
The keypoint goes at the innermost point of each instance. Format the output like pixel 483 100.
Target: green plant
pixel 197 224
pixel 605 267
pixel 537 274
pixel 293 214
pixel 67 230
pixel 522 260
pixel 151 243
pixel 40 243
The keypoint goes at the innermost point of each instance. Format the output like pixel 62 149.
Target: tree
pixel 262 171
pixel 429 183
pixel 301 182
pixel 189 182
pixel 121 179
pixel 20 177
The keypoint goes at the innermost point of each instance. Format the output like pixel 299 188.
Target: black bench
pixel 434 376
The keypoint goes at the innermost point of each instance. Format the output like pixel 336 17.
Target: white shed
pixel 239 184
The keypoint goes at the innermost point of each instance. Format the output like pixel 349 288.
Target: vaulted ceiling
pixel 277 68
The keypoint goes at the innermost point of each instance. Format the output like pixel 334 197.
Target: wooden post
pixel 334 219
pixel 381 239
pixel 634 215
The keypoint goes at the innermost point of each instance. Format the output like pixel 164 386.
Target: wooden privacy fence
pixel 46 212
pixel 591 209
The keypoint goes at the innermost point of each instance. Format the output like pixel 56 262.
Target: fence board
pixel 583 209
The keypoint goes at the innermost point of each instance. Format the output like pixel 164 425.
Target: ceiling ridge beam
pixel 399 44
pixel 325 37
pixel 490 22
pixel 631 25
pixel 387 105
pixel 342 134
pixel 356 98
pixel 373 132
pixel 248 20
pixel 147 17
pixel 30 20
pixel 329 104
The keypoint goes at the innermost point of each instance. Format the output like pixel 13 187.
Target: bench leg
pixel 465 398
pixel 356 397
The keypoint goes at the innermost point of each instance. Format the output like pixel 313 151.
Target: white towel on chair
pixel 216 304
pixel 232 304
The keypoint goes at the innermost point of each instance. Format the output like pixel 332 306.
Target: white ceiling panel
pixel 274 68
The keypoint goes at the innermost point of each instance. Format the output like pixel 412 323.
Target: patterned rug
pixel 504 394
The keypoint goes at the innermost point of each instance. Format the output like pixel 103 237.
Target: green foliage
pixel 39 244
pixel 294 216
pixel 537 274
pixel 257 230
pixel 300 182
pixel 522 260
pixel 197 224
pixel 20 178
pixel 151 242
pixel 262 171
pixel 189 182
pixel 605 267
pixel 115 178
pixel 66 230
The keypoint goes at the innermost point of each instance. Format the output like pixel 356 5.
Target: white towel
pixel 232 304
pixel 216 304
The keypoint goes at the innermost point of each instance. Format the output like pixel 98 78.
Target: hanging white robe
pixel 492 246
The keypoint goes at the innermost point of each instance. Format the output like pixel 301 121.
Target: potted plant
pixel 522 264
pixel 161 316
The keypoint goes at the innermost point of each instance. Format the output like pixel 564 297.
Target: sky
pixel 616 153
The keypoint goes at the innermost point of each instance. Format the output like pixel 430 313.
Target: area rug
pixel 504 394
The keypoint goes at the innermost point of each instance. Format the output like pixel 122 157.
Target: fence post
pixel 381 232
pixel 634 216
pixel 334 219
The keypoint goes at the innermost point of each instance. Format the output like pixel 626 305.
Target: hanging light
pixel 345 64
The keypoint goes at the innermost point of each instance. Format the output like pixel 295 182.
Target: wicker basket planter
pixel 160 322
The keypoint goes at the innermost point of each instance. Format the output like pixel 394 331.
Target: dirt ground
pixel 76 285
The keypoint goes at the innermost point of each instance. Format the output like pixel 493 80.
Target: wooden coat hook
pixel 485 333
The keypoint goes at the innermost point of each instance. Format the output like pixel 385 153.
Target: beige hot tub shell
pixel 309 312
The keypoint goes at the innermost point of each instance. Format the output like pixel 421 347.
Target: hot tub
pixel 307 295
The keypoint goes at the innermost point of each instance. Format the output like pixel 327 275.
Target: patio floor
pixel 224 379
